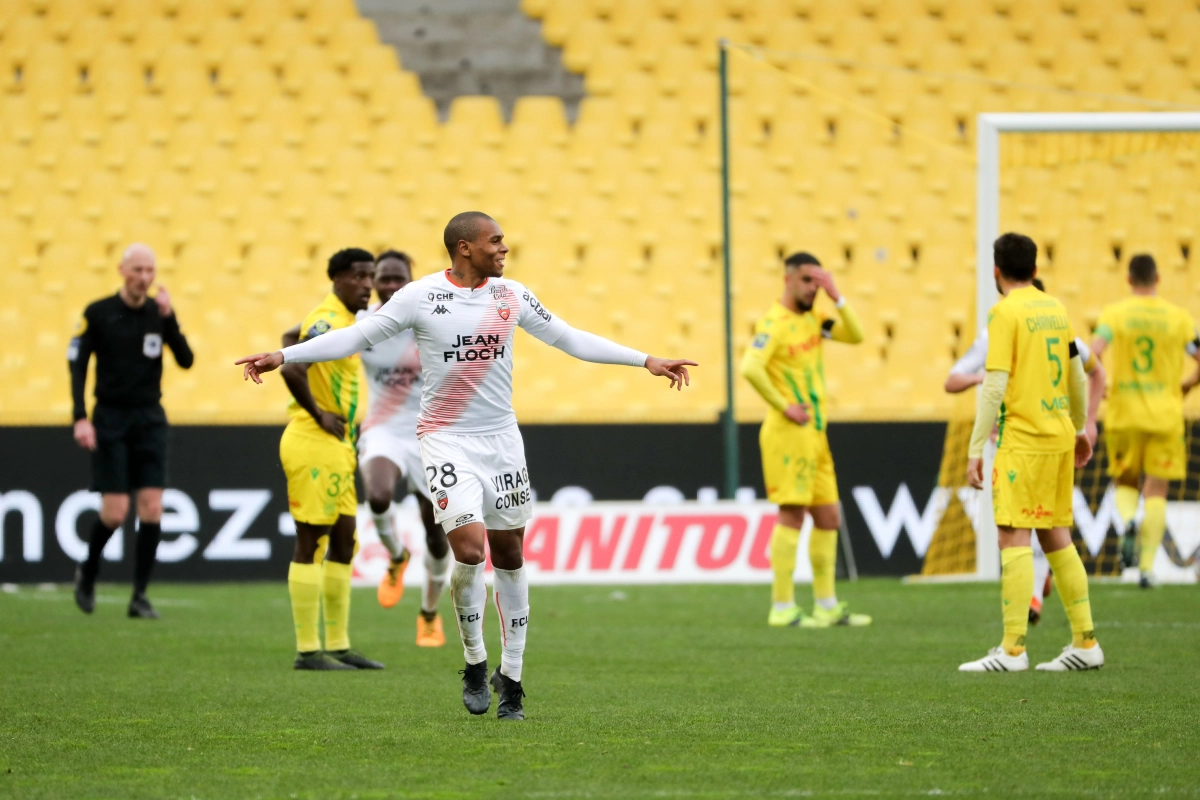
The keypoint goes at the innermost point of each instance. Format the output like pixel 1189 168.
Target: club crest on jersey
pixel 442 500
pixel 503 310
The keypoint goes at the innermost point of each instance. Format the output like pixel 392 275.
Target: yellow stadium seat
pixel 194 17
pixel 128 16
pixel 284 39
pixel 324 16
pixel 348 38
pixel 389 92
pixel 370 65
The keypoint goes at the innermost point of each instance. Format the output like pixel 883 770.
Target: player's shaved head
pixel 463 227
pixel 1015 255
pixel 1142 270
pixel 138 253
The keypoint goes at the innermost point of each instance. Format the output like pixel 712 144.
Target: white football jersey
pixel 972 361
pixel 464 337
pixel 393 370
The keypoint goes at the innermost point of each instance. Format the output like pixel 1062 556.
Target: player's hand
pixel 85 434
pixel 1093 433
pixel 332 424
pixel 259 363
pixel 163 300
pixel 825 280
pixel 1083 450
pixel 797 413
pixel 975 472
pixel 675 369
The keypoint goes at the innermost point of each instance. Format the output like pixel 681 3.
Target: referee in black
pixel 128 438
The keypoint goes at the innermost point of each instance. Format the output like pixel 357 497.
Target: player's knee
pixel 507 555
pixel 113 509
pixel 150 507
pixel 791 516
pixel 379 500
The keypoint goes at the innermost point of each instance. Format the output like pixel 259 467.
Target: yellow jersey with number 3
pixel 337 386
pixel 1029 337
pixel 1148 338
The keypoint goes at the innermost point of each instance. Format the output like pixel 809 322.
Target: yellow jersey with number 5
pixel 1029 337
pixel 1147 340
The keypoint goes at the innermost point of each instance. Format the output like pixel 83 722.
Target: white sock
pixel 512 603
pixel 782 606
pixel 387 535
pixel 469 594
pixel 435 579
pixel 1041 569
pixel 827 603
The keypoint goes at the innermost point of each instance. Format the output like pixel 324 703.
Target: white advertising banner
pixel 616 543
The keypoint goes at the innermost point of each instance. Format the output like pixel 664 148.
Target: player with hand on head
pixel 785 364
pixel 388 452
pixel 1146 339
pixel 464 319
pixel 969 371
pixel 1035 385
pixel 318 457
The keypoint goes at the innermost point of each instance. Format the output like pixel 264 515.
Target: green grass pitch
pixel 643 691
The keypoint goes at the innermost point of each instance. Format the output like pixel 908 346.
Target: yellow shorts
pixel 1034 490
pixel 320 477
pixel 1134 453
pixel 797 464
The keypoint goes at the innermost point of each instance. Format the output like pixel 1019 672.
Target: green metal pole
pixel 728 420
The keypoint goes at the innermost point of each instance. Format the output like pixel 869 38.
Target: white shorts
pixel 400 449
pixel 477 478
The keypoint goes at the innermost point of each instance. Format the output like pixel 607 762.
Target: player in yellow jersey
pixel 785 364
pixel 1036 387
pixel 319 459
pixel 1146 339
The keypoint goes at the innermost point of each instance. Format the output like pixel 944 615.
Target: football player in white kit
pixel 474 459
pixel 388 452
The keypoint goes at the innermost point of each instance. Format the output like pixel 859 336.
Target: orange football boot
pixel 429 632
pixel 391 588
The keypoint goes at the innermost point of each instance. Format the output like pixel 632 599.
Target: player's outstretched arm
pixel 675 369
pixel 331 346
pixel 598 350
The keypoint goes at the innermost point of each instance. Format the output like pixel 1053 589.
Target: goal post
pixel 989 127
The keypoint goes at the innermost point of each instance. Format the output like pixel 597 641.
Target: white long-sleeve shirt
pixel 464 337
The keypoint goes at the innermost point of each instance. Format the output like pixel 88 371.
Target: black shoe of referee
pixel 354 659
pixel 476 696
pixel 85 592
pixel 320 661
pixel 510 691
pixel 140 608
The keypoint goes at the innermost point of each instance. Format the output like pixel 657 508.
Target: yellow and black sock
pixel 1154 527
pixel 335 589
pixel 1127 503
pixel 1071 579
pixel 822 554
pixel 304 586
pixel 784 541
pixel 1016 584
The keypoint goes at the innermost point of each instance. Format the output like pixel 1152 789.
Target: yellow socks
pixel 1127 503
pixel 784 541
pixel 335 589
pixel 822 554
pixel 1071 579
pixel 1016 589
pixel 304 586
pixel 1154 525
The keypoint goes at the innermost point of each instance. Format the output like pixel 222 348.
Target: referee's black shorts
pixel 131 449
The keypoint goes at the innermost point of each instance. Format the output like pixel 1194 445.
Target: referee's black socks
pixel 148 536
pixel 100 535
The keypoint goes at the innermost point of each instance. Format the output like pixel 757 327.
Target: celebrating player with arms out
pixel 464 319
pixel 1035 384
pixel 785 364
pixel 1144 426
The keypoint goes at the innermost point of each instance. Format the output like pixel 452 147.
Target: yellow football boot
pixel 840 615
pixel 391 588
pixel 429 632
pixel 785 617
